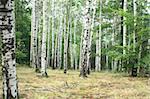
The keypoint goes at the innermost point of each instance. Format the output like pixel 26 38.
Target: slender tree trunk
pixel 114 61
pixel 65 45
pixel 34 34
pixel 86 39
pixel 107 61
pixel 40 34
pixel 81 43
pixel 56 51
pixel 124 27
pixel 33 30
pixel 70 44
pixel 48 34
pixel 91 35
pixel 75 45
pixel 113 43
pixel 98 41
pixel 134 69
pixel 7 30
pixel 61 34
pixel 48 43
pixel 53 32
pixel 135 14
pixel 44 35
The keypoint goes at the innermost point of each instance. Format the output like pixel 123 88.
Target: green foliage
pixel 23 24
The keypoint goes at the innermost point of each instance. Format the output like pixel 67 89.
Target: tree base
pixel 65 71
pixel 37 70
pixel 44 74
pixel 134 72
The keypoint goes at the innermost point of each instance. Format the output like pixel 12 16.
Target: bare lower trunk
pixel 135 13
pixel 98 42
pixel 86 39
pixel 39 37
pixel 91 35
pixel 7 30
pixel 44 35
pixel 61 35
pixel 65 46
pixel 75 45
pixel 53 33
pixel 70 45
pixel 124 27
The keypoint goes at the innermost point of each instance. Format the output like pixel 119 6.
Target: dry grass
pixel 97 86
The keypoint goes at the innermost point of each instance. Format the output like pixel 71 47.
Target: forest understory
pixel 102 85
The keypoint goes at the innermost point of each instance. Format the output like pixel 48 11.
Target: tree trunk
pixel 7 30
pixel 65 45
pixel 135 14
pixel 48 43
pixel 81 43
pixel 56 50
pixel 124 27
pixel 98 42
pixel 60 35
pixel 70 44
pixel 40 35
pixel 53 32
pixel 44 35
pixel 86 39
pixel 34 30
pixel 91 35
pixel 75 45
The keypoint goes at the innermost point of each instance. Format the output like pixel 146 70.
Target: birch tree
pixel 135 13
pixel 7 30
pixel 70 44
pixel 40 32
pixel 124 27
pixel 75 45
pixel 60 35
pixel 65 45
pixel 48 37
pixel 44 35
pixel 86 39
pixel 34 31
pixel 98 41
pixel 93 9
pixel 53 32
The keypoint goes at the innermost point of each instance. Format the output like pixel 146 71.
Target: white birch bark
pixel 53 32
pixel 7 30
pixel 124 27
pixel 75 45
pixel 65 45
pixel 81 43
pixel 33 23
pixel 70 43
pixel 48 43
pixel 107 61
pixel 91 34
pixel 48 34
pixel 114 61
pixel 135 14
pixel 34 30
pixel 56 50
pixel 61 34
pixel 86 39
pixel 98 41
pixel 40 33
pixel 44 35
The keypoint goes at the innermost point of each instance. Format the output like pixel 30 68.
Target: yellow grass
pixel 70 86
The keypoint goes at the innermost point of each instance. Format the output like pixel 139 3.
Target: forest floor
pixel 101 85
